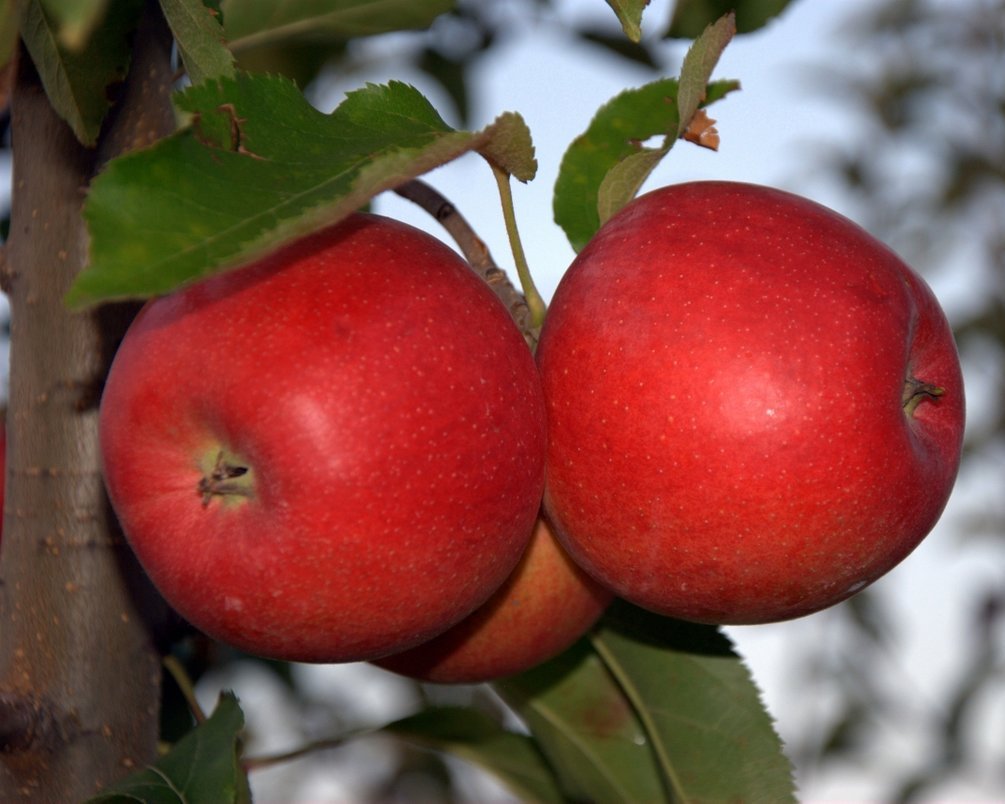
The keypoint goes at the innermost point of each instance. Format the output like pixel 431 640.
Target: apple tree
pixel 157 144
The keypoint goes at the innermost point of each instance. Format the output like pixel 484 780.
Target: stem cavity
pixel 918 391
pixel 227 478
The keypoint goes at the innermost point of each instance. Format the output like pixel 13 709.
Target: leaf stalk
pixel 535 303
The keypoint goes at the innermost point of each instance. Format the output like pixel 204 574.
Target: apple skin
pixel 724 368
pixel 546 605
pixel 391 421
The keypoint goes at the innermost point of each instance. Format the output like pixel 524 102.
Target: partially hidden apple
pixel 332 454
pixel 755 408
pixel 546 605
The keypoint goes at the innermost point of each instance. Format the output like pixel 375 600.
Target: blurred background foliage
pixel 927 176
pixel 448 53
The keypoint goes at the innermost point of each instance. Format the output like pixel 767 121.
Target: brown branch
pixel 271 760
pixel 474 250
pixel 5 272
pixel 79 671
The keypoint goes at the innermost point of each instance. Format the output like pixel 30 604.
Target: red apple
pixel 330 455
pixel 755 408
pixel 546 605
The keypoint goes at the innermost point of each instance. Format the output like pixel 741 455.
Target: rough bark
pixel 79 670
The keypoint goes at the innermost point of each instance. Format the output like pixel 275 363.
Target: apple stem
pixel 223 481
pixel 916 392
pixel 474 250
pixel 534 301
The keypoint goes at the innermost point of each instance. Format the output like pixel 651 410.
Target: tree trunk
pixel 79 671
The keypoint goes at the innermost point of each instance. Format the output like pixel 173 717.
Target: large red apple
pixel 332 454
pixel 755 408
pixel 546 605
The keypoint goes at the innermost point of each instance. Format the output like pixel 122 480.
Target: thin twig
pixel 184 682
pixel 474 250
pixel 268 760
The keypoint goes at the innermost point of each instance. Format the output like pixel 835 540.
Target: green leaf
pixel 616 134
pixel 696 70
pixel 9 35
pixel 257 168
pixel 252 23
pixel 691 16
pixel 630 16
pixel 511 147
pixel 471 735
pixel 199 38
pixel 77 81
pixel 699 706
pixel 586 727
pixel 74 20
pixel 619 46
pixel 623 180
pixel 202 768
